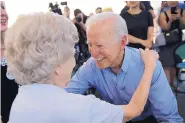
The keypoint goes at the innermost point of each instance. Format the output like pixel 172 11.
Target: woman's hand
pixel 149 58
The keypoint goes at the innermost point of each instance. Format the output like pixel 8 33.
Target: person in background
pixel 149 8
pixel 91 14
pixel 115 69
pixel 80 19
pixel 107 10
pixel 145 5
pixel 82 52
pixel 181 5
pixel 67 12
pixel 140 34
pixel 164 6
pixel 98 10
pixel 168 22
pixel 42 60
pixel 9 88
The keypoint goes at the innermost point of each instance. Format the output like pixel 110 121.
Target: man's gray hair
pixel 36 44
pixel 120 24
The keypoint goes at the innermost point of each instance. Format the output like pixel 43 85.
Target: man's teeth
pixel 99 59
pixel 3 21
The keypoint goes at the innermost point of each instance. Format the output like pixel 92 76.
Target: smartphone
pixel 173 10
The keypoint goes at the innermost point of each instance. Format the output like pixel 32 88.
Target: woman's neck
pixel 60 81
pixel 134 10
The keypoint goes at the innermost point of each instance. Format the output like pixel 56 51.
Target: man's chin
pixel 3 28
pixel 101 66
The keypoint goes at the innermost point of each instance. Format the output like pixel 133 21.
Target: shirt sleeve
pixel 164 104
pixel 103 112
pixel 82 80
pixel 150 20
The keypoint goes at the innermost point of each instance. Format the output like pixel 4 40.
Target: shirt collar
pixel 126 60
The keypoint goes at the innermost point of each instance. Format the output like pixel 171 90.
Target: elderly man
pixel 116 69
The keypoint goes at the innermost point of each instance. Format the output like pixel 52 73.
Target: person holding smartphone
pixel 171 19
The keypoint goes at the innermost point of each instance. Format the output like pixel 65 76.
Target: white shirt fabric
pixel 44 103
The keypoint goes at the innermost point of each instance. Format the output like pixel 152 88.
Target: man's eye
pixel 2 7
pixel 99 46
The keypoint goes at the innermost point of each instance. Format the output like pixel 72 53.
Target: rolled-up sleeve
pixel 164 104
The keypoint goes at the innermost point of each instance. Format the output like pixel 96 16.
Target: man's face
pixel 98 11
pixel 102 45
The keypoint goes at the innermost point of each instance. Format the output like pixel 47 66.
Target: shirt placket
pixel 121 86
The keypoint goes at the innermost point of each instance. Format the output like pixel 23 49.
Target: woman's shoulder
pixel 124 14
pixel 165 13
pixel 124 10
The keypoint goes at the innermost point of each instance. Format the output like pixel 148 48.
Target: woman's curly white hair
pixel 36 44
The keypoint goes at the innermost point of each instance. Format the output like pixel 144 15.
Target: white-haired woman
pixel 40 54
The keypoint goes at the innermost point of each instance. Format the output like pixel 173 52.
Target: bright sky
pixel 17 7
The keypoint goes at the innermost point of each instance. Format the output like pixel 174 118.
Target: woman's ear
pixel 58 70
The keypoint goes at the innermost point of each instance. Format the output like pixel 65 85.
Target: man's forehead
pixel 105 24
pixel 106 21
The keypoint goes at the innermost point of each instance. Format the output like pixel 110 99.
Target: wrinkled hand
pixel 149 58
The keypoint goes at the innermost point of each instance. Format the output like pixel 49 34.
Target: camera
pixel 78 19
pixel 64 3
pixel 55 8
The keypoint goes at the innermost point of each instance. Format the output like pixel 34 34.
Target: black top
pixel 146 4
pixel 9 90
pixel 137 25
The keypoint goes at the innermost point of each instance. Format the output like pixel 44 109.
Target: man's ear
pixel 123 42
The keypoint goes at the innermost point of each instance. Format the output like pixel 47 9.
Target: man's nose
pixel 94 51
